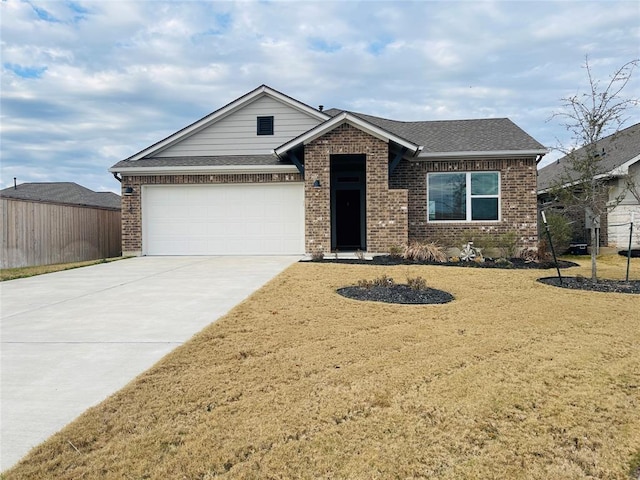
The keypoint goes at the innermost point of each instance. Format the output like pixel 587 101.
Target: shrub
pixel 417 283
pixel 508 243
pixel 503 244
pixel 504 263
pixel 529 255
pixel 367 284
pixel 424 252
pixel 560 230
pixel 396 251
pixel 544 251
pixel 382 281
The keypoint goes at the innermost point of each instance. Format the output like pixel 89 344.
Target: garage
pixel 224 219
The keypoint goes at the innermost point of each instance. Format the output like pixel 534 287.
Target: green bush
pixel 561 232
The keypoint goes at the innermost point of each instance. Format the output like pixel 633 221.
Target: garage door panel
pixel 223 219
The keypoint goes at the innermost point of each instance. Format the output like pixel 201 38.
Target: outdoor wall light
pixel 316 183
pixel 128 190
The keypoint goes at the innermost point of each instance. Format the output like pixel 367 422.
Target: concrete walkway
pixel 70 339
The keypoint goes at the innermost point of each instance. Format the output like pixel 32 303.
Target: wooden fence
pixel 38 233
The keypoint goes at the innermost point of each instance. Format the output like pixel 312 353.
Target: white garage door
pixel 238 219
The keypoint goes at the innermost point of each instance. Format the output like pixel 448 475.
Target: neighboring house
pixel 45 223
pixel 268 174
pixel 620 164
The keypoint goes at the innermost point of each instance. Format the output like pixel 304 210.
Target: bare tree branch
pixel 583 184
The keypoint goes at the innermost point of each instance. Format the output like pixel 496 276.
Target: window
pixel 265 125
pixel 464 196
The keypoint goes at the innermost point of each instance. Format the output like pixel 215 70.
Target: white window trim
pixel 469 197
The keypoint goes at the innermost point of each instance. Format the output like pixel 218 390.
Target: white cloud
pixel 88 83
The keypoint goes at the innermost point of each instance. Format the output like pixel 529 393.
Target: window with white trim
pixel 463 197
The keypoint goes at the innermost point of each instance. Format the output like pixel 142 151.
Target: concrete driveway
pixel 72 338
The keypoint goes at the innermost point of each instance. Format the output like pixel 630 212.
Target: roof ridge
pixel 360 114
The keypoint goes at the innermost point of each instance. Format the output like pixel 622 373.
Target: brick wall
pixel 396 208
pixel 518 200
pixel 131 204
pixel 386 210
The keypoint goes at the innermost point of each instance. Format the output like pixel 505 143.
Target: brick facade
pixel 386 210
pixel 517 203
pixel 132 205
pixel 396 207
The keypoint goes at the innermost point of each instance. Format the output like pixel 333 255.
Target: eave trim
pixel 479 154
pixel 204 169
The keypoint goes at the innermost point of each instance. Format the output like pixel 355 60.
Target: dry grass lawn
pixel 23 272
pixel 512 380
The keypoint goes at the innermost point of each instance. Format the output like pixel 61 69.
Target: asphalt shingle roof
pixel 62 192
pixel 445 136
pixel 257 160
pixel 619 148
pixel 448 136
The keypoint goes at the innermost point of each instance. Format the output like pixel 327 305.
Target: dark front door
pixel 348 200
pixel 348 226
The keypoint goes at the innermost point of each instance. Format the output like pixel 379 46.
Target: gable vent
pixel 265 125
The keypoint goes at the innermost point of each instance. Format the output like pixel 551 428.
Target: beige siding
pixel 618 226
pixel 35 233
pixel 236 133
pixel 619 218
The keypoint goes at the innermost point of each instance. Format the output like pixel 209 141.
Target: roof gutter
pixel 486 154
pixel 194 170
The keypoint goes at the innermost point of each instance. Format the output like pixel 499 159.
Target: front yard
pixel 513 379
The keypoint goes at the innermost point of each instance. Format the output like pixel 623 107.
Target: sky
pixel 86 84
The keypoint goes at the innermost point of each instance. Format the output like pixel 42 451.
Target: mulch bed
pixel 635 253
pixel 582 283
pixel 405 295
pixel 397 293
pixel 513 263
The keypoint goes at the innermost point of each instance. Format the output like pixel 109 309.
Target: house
pixel 620 166
pixel 59 222
pixel 268 174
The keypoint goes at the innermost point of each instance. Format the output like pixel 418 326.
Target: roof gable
pixel 353 120
pixel 621 150
pixel 224 112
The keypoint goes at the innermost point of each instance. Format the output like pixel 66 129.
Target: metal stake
pixel 629 250
pixel 553 251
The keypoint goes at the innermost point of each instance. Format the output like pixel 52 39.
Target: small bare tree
pixel 583 185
